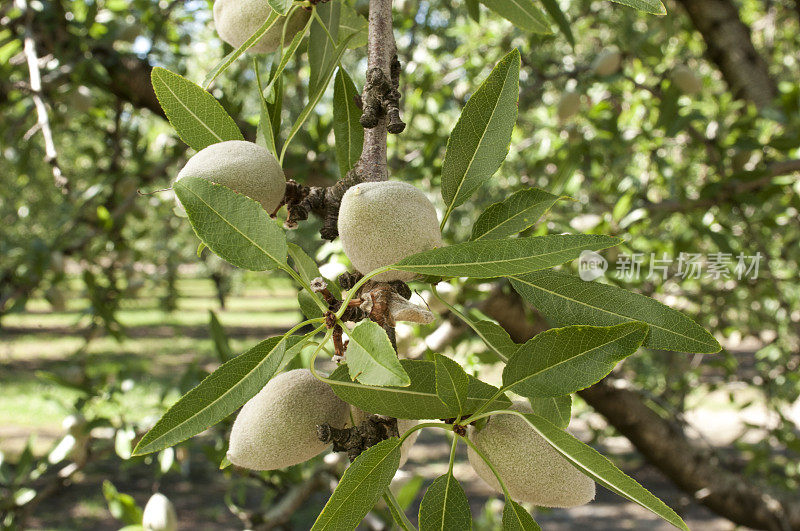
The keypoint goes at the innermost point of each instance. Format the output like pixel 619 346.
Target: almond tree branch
pixel 29 48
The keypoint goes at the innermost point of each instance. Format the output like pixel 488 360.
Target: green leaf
pixel 555 12
pixel 518 212
pixel 308 270
pixel 321 49
pixel 361 486
pixel 500 258
pixel 416 401
pixel 346 125
pixel 569 300
pixel 654 7
pixel 479 141
pixel 496 338
pixel 452 383
pixel 315 95
pixel 556 409
pixel 246 45
pixel 196 115
pixel 351 23
pixel 474 10
pixel 522 13
pixel 232 225
pixel 265 135
pixel 217 396
pixel 309 306
pixel 516 518
pixel 287 54
pixel 561 361
pixel 593 464
pixel 281 6
pixel 220 338
pixel 444 506
pixel 371 357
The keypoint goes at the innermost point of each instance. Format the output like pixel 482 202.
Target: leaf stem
pixel 397 512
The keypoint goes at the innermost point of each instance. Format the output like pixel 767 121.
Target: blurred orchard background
pixel 107 314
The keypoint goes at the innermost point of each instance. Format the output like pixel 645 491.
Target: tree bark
pixel 730 47
pixel 694 470
pixel 381 49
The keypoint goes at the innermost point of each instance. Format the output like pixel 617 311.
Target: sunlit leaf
pixel 196 115
pixel 361 487
pixel 371 358
pixel 445 506
pixel 561 361
pixel 479 141
pixel 232 225
pixel 500 258
pixel 416 401
pixel 656 7
pixel 522 13
pixel 346 125
pixel 518 212
pixel 568 300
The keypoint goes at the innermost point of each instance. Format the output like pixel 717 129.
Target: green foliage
pixel 196 115
pixel 349 133
pixel 603 471
pixel 479 142
pixel 444 506
pixel 232 225
pixel 502 258
pixel 361 487
pixel 569 300
pixel 520 211
pixel 522 13
pixel 656 7
pixel 219 395
pixel 452 384
pixel 556 409
pixel 561 361
pixel 371 358
pixel 416 401
pixel 516 518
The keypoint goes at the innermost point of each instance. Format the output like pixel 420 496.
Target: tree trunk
pixel 730 47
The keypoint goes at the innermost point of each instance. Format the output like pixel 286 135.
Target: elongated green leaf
pixel 474 10
pixel 516 518
pixel 228 60
pixel 593 464
pixel 308 270
pixel 561 361
pixel 321 49
pixel 452 383
pixel 361 487
pixel 196 115
pixel 287 54
pixel 500 258
pixel 346 126
pixel 556 409
pixel 309 306
pixel 220 338
pixel 281 6
pixel 217 396
pixel 496 338
pixel 569 300
pixel 266 133
pixel 522 13
pixel 519 211
pixel 351 23
pixel 417 401
pixel 655 7
pixel 445 506
pixel 316 95
pixel 371 358
pixel 232 225
pixel 555 12
pixel 479 142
